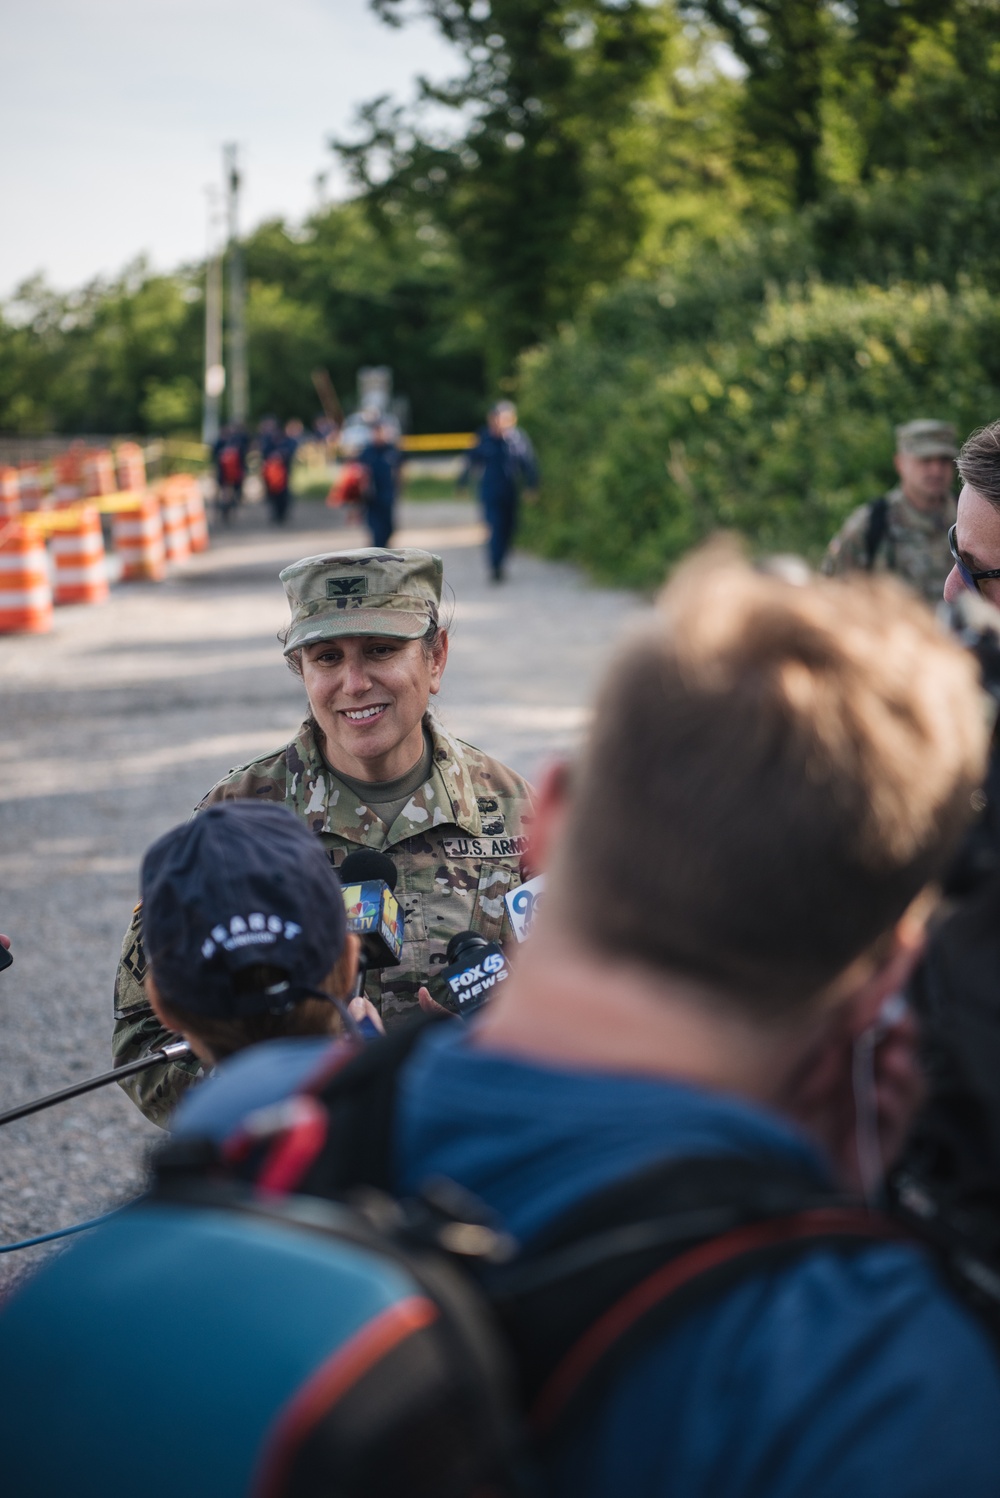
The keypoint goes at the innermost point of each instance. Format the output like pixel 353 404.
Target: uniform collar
pixel 448 797
pixel 931 523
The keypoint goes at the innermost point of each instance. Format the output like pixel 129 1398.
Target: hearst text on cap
pixel 371 591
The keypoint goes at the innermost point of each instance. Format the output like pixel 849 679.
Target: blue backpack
pixel 271 1321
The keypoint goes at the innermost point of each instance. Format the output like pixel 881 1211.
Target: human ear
pixel 170 1022
pixel 822 1096
pixel 547 815
pixel 439 659
pixel 341 978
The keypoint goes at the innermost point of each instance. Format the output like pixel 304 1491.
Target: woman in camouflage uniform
pixel 369 768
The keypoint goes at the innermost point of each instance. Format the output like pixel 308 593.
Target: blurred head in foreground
pixel 244 928
pixel 779 769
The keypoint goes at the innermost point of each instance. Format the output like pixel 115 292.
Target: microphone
pixel 172 1052
pixel 522 905
pixel 475 967
pixel 373 912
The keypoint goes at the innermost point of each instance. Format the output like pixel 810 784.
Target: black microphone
pixel 373 912
pixel 475 968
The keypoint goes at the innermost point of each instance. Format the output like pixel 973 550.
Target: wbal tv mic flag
pixel 373 911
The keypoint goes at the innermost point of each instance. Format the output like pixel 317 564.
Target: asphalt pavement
pixel 115 724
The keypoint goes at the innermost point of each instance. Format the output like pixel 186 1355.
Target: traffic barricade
pixel 10 493
pixel 25 590
pixel 130 466
pixel 29 481
pixel 98 474
pixel 196 516
pixel 77 549
pixel 174 513
pixel 68 478
pixel 137 537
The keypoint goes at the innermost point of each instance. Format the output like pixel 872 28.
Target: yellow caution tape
pixel 439 443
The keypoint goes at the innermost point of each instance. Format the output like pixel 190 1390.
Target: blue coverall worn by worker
pixel 507 463
pixel 277 470
pixel 381 459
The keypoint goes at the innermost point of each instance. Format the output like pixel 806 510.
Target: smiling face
pixel 977 536
pixel 369 693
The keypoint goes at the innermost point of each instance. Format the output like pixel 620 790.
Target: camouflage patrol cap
pixel 371 591
pixel 926 439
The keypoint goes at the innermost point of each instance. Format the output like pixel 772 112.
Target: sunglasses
pixel 970 579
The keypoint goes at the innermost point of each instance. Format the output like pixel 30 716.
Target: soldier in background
pixel 369 768
pixel 906 530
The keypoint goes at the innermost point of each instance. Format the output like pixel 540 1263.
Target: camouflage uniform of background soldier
pixel 456 843
pixel 906 530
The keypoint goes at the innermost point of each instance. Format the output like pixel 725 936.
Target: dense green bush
pixel 649 442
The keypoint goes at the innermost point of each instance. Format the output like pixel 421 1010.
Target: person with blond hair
pixel 739 873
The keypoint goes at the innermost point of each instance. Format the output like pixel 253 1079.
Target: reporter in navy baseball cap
pixel 244 929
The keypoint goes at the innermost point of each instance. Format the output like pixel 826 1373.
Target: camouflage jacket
pixel 914 545
pixel 456 845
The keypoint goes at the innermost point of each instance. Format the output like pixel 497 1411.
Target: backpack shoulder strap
pixel 876 529
pixel 359 1101
pixel 332 1135
pixel 617 1271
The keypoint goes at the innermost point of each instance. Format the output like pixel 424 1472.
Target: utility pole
pixel 215 369
pixel 239 399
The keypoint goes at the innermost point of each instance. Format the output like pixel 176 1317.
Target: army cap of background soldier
pixel 365 637
pixel 925 462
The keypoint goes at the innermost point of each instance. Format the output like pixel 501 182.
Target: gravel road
pixel 117 722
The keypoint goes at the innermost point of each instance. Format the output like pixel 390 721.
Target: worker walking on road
pixel 506 461
pixel 276 468
pixel 380 459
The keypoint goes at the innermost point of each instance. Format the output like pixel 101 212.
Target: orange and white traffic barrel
pixel 25 590
pixel 67 471
pixel 130 466
pixel 98 474
pixel 137 536
pixel 173 508
pixel 30 483
pixel 197 518
pixel 81 574
pixel 10 493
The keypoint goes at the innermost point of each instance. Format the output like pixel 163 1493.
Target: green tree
pixel 797 53
pixel 539 190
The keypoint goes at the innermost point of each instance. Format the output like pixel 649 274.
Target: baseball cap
pixel 370 591
pixel 244 883
pixel 926 439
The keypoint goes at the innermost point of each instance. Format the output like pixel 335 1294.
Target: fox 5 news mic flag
pixel 373 911
pixel 475 969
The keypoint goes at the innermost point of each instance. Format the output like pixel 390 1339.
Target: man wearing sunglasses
pixel 906 530
pixel 974 539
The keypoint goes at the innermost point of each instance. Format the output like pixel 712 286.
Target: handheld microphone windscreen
pixel 366 864
pixel 373 912
pixel 475 968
